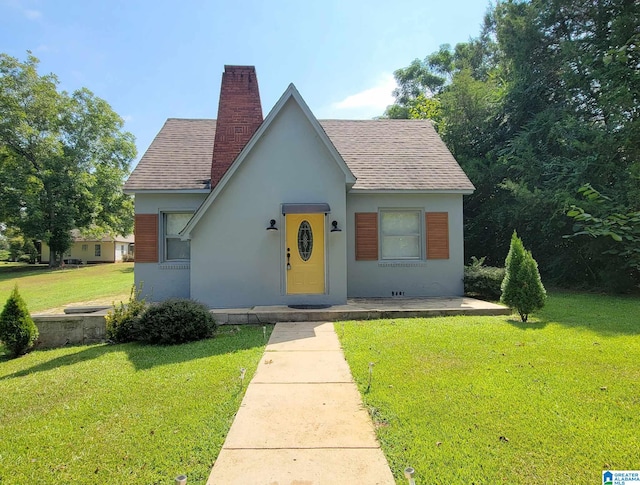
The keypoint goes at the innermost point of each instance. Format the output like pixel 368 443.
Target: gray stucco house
pixel 243 211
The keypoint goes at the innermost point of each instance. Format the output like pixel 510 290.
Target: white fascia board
pixel 412 191
pixel 165 191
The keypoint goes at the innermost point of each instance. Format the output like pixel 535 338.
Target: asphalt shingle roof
pixel 178 158
pixel 382 154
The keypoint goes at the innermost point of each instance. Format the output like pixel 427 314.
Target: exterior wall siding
pixel 235 261
pixel 409 278
pixel 160 280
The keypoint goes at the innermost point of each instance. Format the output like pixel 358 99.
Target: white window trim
pixel 420 235
pixel 163 237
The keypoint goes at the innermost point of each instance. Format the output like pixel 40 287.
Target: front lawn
pixel 46 289
pixel 492 400
pixel 122 413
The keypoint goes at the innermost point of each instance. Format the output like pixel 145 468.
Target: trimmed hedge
pixel 175 321
pixel 483 281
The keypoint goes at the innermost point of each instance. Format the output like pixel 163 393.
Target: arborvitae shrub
pixel 175 321
pixel 18 331
pixel 121 321
pixel 522 288
pixel 483 281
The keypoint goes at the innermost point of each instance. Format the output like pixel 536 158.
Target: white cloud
pixel 367 103
pixel 32 14
pixel 127 118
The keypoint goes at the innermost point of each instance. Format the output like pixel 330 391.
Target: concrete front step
pixel 363 309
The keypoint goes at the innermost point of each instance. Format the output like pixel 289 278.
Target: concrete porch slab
pixel 301 467
pixel 362 309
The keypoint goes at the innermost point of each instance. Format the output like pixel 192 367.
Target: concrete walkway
pixel 301 421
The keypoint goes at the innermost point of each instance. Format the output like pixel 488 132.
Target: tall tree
pixel 545 100
pixel 63 157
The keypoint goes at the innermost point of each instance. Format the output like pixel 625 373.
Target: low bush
pixel 483 281
pixel 18 331
pixel 175 321
pixel 121 321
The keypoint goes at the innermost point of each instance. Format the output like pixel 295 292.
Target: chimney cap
pixel 232 68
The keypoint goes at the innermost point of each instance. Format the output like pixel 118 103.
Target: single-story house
pixel 106 249
pixel 290 210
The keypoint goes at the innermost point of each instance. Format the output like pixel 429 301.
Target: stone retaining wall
pixel 58 330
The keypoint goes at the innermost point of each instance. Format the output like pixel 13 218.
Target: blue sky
pixel 153 60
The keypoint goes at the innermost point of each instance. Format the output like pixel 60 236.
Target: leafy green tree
pixel 522 287
pixel 18 332
pixel 544 100
pixel 618 231
pixel 63 158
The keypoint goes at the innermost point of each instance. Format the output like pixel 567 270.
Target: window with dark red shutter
pixel 366 236
pixel 437 224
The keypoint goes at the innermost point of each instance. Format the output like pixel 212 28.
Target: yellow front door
pixel 305 253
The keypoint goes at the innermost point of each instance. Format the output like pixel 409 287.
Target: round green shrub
pixel 18 331
pixel 175 321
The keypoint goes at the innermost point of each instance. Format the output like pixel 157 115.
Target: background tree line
pixel 544 101
pixel 63 160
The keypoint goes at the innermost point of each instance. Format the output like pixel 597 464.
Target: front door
pixel 305 253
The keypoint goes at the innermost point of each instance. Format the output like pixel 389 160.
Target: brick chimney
pixel 239 116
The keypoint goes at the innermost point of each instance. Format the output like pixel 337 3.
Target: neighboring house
pixel 107 249
pixel 241 211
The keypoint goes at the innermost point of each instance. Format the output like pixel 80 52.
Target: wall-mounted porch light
pixel 334 227
pixel 272 225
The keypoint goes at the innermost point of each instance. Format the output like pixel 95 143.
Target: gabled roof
pixel 396 155
pixel 179 158
pixel 383 155
pixel 290 94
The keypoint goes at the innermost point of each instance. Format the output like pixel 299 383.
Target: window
pixel 98 250
pixel 85 248
pixel 400 233
pixel 174 248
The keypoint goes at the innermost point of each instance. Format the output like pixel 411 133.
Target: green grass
pixel 45 289
pixel 122 413
pixel 492 400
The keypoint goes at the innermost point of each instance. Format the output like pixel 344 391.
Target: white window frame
pixel 419 235
pixel 164 236
pixel 97 251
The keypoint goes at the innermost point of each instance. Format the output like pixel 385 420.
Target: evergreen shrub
pixel 18 332
pixel 522 287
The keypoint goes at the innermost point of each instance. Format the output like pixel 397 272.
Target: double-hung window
pixel 400 234
pixel 174 248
